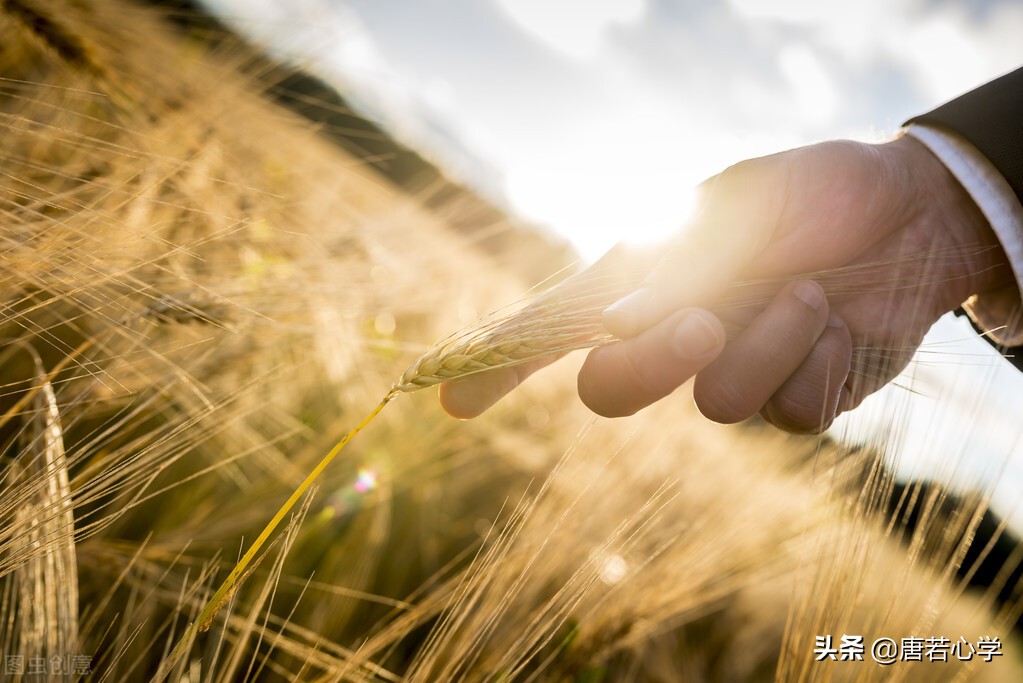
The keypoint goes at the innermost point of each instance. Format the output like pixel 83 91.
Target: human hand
pixel 893 238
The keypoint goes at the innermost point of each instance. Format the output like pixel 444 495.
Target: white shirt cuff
pixel 996 312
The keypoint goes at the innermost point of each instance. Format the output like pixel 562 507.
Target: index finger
pixel 470 397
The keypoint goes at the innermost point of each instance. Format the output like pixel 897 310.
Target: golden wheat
pixel 539 331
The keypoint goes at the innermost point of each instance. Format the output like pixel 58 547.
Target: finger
pixel 873 367
pixel 470 397
pixel 738 216
pixel 619 379
pixel 807 403
pixel 760 360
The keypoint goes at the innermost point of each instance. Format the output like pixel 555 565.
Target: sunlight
pixel 598 206
pixel 626 174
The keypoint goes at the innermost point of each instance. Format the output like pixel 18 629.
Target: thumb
pixel 736 219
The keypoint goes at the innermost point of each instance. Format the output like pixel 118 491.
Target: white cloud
pixel 576 29
pixel 946 49
pixel 948 54
pixel 848 26
pixel 945 56
pixel 814 88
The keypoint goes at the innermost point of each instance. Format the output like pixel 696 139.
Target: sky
pixel 596 118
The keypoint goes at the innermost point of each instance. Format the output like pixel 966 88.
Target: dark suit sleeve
pixel 991 119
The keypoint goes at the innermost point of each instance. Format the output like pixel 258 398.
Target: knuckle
pixel 741 172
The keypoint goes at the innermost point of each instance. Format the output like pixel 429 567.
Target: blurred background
pixel 595 120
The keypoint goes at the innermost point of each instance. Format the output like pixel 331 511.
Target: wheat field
pixel 202 293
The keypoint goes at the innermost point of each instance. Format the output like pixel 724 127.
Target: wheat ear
pixel 532 333
pixel 565 318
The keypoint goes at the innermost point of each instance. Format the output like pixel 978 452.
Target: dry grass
pixel 200 295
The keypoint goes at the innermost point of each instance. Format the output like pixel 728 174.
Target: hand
pixel 893 238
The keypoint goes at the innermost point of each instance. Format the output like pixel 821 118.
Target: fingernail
pixel 835 321
pixel 625 316
pixel 810 294
pixel 694 337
